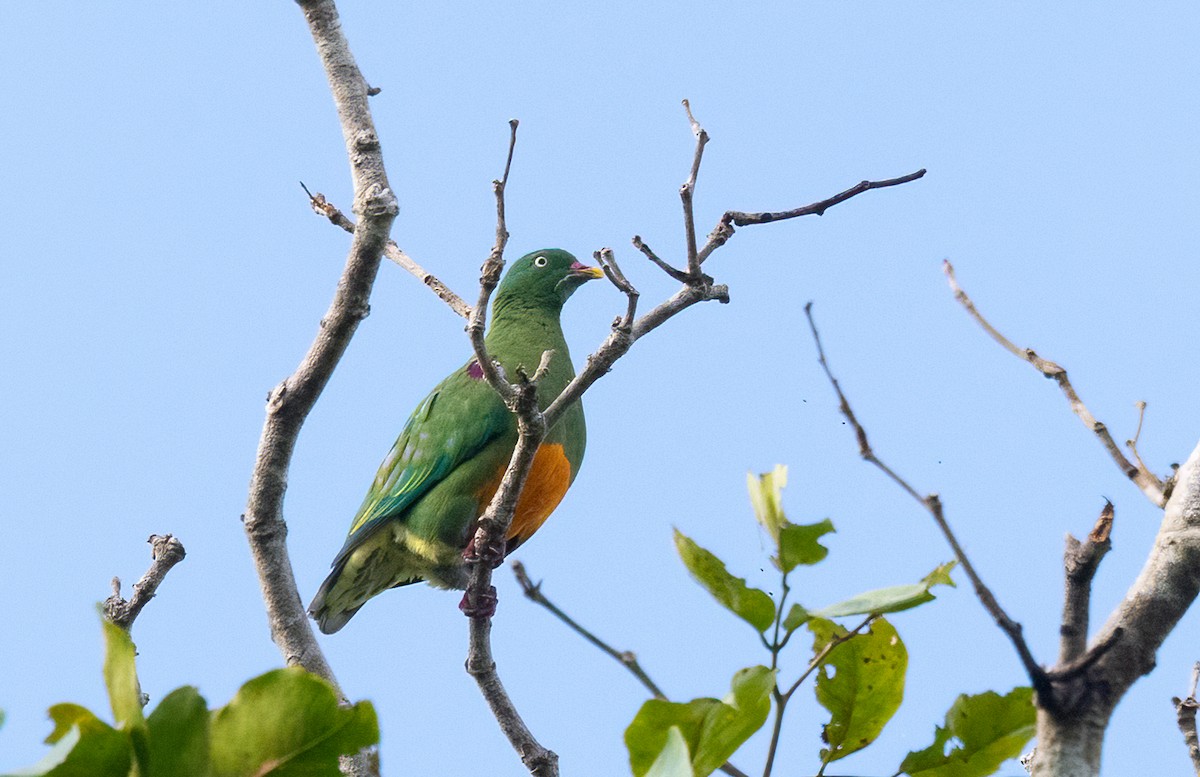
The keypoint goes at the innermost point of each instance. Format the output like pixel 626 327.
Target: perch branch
pixel 165 552
pixel 1185 711
pixel 289 404
pixel 487 546
pixel 1080 560
pixel 1149 483
pixel 485 549
pixel 324 207
pixel 933 504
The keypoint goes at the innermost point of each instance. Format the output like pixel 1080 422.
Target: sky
pixel 161 271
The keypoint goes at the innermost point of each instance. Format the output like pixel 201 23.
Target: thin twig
pixel 640 245
pixel 290 402
pixel 933 504
pixel 782 699
pixel 1185 711
pixel 165 552
pixel 688 190
pixel 1080 561
pixel 1149 483
pixel 604 257
pixel 1132 444
pixel 625 658
pixel 1064 672
pixel 324 207
pixel 725 226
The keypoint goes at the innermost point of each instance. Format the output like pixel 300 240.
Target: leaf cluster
pixel 285 723
pixel 860 672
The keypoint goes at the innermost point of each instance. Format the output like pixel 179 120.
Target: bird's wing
pixel 457 420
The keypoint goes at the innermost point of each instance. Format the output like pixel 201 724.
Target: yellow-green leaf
pixel 988 728
pixel 750 604
pixel 864 688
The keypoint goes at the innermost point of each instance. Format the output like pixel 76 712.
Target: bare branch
pixel 604 257
pixel 1150 485
pixel 933 504
pixel 165 552
pixel 486 549
pixel 725 226
pixel 688 190
pixel 1080 560
pixel 1185 711
pixel 678 275
pixel 324 207
pixel 489 279
pixel 625 658
pixel 1068 671
pixel 290 402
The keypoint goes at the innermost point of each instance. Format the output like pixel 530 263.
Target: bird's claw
pixel 490 553
pixel 484 607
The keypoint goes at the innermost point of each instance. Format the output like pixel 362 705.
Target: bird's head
pixel 543 279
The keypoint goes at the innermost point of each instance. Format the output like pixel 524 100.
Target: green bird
pixel 421 511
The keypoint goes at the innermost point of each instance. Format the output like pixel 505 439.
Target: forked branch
pixel 165 552
pixel 289 404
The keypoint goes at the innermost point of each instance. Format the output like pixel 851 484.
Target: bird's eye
pixel 540 261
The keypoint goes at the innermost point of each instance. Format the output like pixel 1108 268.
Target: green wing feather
pixel 455 422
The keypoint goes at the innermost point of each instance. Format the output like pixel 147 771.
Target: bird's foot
pixel 484 607
pixel 490 553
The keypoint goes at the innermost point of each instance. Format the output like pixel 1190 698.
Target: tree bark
pixel 1070 739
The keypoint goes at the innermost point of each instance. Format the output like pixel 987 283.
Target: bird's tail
pixel 329 617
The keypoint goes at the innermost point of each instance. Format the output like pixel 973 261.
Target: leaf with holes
pixel 989 729
pixel 860 682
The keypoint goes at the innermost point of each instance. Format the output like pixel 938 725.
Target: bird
pixel 421 511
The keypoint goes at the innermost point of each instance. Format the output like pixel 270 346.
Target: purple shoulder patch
pixel 474 370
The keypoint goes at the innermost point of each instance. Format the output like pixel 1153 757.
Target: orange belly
pixel 547 484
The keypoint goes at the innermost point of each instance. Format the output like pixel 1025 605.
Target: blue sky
pixel 161 271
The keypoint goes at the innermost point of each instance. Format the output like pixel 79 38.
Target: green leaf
pixel 893 599
pixel 287 723
pixel 796 617
pixel 84 746
pixel 647 735
pixel 989 728
pixel 120 675
pixel 864 688
pixel 766 496
pixel 674 760
pixel 798 544
pixel 178 735
pixel 712 730
pixel 750 604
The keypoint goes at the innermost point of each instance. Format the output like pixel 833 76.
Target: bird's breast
pixel 549 478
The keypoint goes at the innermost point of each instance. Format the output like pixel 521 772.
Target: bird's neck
pixel 517 337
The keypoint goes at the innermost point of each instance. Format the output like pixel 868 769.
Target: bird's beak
pixel 586 273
